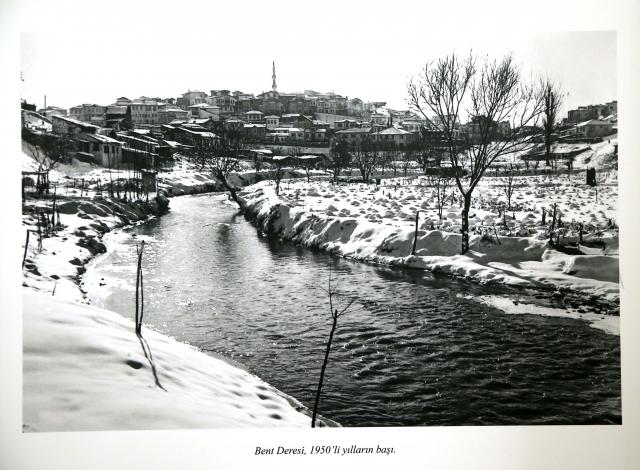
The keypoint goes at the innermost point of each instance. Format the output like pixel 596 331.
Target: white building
pixel 204 110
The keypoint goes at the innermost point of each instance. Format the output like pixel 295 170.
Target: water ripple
pixel 411 351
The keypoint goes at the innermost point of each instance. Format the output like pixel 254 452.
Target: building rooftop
pixel 355 130
pixel 104 139
pixel 75 122
pixel 204 105
pixel 392 131
pixel 172 110
pixel 116 109
pixel 593 122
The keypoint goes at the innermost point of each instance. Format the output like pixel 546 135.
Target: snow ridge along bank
pixel 60 261
pixel 519 261
pixel 181 182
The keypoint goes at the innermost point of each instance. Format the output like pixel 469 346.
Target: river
pixel 414 348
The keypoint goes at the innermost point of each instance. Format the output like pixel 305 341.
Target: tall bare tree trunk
pixel 324 367
pixel 232 191
pixel 465 223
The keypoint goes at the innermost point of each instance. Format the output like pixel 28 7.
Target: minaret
pixel 273 76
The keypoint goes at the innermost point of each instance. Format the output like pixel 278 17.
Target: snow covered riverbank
pixel 191 181
pixel 57 264
pixel 376 224
pixel 85 369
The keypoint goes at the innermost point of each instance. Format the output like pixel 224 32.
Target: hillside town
pixel 146 133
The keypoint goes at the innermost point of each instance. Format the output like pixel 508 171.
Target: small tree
pixel 44 164
pixel 487 94
pixel 221 156
pixel 439 185
pixel 335 315
pixel 339 158
pixel 366 157
pixel 552 102
pixel 278 165
pixel 508 185
pixel 307 163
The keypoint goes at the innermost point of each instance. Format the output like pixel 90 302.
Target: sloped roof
pixel 593 122
pixel 75 122
pixel 104 139
pixel 204 105
pixel 355 130
pixel 392 131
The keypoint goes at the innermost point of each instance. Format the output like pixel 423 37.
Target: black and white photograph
pixel 273 225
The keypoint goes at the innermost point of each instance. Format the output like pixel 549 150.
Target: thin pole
pixel 415 235
pixel 324 367
pixel 26 245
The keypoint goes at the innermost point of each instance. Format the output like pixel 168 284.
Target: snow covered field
pixel 376 223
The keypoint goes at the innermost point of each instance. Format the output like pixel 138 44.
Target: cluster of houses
pixel 146 130
pixel 592 122
pixel 110 148
pixel 308 118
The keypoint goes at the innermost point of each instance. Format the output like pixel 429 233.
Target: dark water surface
pixel 414 349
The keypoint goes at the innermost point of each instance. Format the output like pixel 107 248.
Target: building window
pixel 106 149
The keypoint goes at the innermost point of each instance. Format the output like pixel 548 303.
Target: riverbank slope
pixel 377 225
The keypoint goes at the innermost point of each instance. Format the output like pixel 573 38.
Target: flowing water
pixel 414 348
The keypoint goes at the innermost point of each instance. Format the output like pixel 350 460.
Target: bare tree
pixel 366 158
pixel 335 314
pixel 44 165
pixel 221 156
pixel 508 185
pixel 440 185
pixel 339 158
pixel 307 163
pixel 278 164
pixel 552 102
pixel 486 94
pixel 48 153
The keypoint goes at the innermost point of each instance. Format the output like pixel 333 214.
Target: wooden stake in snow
pixel 580 231
pixel 26 245
pixel 139 290
pixel 553 221
pixel 415 235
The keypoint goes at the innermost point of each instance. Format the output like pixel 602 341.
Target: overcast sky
pixel 73 67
